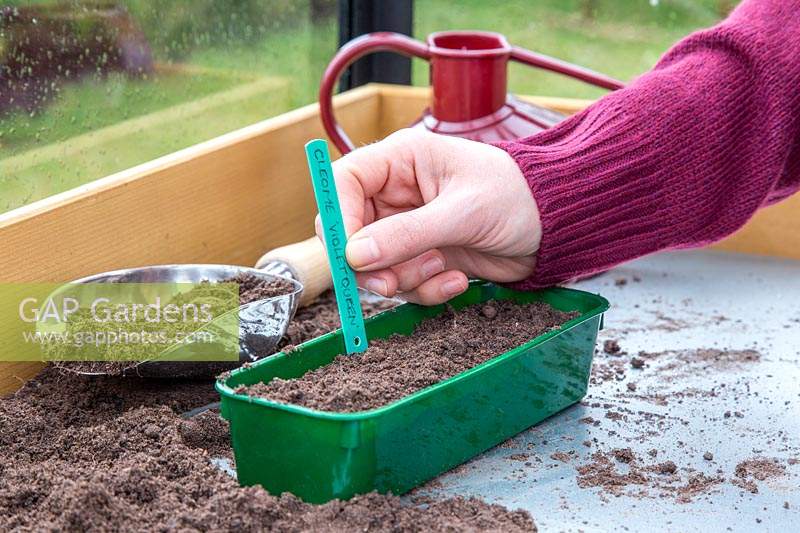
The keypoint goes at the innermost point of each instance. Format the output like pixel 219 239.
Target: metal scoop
pixel 262 323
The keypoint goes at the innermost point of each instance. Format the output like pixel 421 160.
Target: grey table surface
pixel 682 302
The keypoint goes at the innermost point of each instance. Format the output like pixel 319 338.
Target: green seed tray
pixel 319 456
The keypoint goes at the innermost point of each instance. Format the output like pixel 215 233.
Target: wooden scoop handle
pixel 308 263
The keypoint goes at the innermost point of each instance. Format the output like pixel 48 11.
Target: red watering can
pixel 468 73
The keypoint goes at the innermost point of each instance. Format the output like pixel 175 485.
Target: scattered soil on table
pixel 604 370
pixel 667 467
pixel 681 363
pixel 668 323
pixel 563 457
pixel 669 378
pixel 392 368
pixel 115 454
pixel 622 472
pixel 670 365
pixel 251 288
pixel 756 469
pixel 611 347
pixel 623 455
pixel 602 472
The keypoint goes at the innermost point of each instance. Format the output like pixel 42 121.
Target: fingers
pixel 383 282
pixel 363 173
pixel 416 271
pixel 403 236
pixel 382 181
pixel 359 176
pixel 439 289
pixel 403 277
pixel 476 264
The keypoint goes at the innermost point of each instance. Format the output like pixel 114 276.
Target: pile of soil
pixel 251 288
pixel 147 469
pixel 112 453
pixel 392 368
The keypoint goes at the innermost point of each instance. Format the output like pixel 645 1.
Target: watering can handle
pixel 397 42
pixel 350 52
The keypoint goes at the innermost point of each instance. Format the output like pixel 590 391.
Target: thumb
pixel 403 236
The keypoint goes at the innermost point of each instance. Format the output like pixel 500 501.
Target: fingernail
pixel 377 285
pixel 432 266
pixel 362 252
pixel 452 288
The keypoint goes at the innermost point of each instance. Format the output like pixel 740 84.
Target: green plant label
pixel 344 279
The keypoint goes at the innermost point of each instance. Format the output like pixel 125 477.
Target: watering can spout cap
pixel 468 74
pixel 468 43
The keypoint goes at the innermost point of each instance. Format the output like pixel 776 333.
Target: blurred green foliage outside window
pixel 91 88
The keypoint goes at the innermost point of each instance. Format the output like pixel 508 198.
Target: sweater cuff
pixel 594 214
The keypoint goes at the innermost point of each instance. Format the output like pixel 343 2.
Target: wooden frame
pixel 230 199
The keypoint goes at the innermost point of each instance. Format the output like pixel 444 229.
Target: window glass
pixel 91 88
pixel 621 38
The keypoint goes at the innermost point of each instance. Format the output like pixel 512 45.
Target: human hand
pixel 425 212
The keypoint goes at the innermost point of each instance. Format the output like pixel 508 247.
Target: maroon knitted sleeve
pixel 681 157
